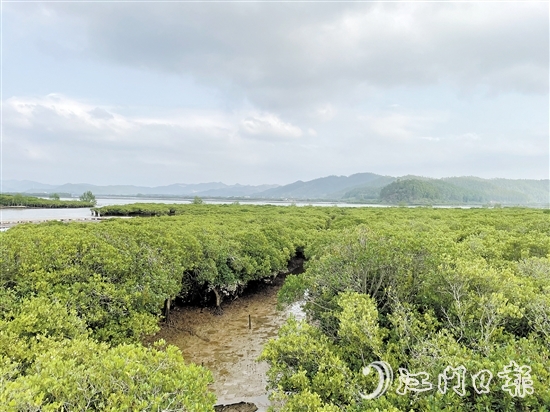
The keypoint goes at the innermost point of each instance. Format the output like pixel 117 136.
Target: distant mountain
pixel 464 190
pixel 237 191
pixel 505 190
pixel 214 189
pixel 331 187
pixel 424 191
pixel 369 191
pixel 79 188
pixel 181 189
pixel 21 186
pixel 360 187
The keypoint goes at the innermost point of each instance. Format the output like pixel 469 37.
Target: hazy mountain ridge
pixel 499 189
pixel 465 190
pixel 330 187
pixel 215 189
pixel 359 187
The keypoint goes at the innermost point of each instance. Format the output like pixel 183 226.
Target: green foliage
pixel 54 196
pixel 421 289
pixel 116 275
pixel 79 374
pixel 197 200
pixel 428 191
pixel 418 288
pixel 76 299
pixel 88 197
pixel 30 201
pixel 309 362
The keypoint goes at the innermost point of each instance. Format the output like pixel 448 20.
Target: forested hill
pixel 505 190
pixel 373 188
pixel 466 190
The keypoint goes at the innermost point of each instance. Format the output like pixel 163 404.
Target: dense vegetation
pixel 421 290
pixel 418 288
pixel 416 191
pixel 30 201
pixel 76 299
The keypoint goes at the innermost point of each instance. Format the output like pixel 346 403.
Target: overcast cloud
pixel 251 93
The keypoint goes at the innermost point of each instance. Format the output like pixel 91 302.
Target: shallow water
pixel 227 346
pixel 17 214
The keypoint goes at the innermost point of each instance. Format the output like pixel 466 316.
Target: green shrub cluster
pixel 76 299
pixel 418 288
pixel 421 290
pixel 31 201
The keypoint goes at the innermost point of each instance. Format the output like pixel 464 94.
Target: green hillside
pixel 505 190
pixel 418 191
pixel 454 190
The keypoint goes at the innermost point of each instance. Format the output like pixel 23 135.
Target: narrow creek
pixel 228 345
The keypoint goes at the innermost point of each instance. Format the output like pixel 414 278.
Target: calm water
pixel 16 214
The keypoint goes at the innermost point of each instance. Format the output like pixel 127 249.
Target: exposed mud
pixel 237 407
pixel 229 344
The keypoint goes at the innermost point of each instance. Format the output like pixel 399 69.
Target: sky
pixel 154 93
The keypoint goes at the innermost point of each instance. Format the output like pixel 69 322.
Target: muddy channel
pixel 229 343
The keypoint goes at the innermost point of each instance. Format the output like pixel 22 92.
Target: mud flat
pixel 228 345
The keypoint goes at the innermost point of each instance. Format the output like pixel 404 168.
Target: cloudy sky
pixel 271 92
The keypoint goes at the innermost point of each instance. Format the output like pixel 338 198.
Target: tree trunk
pixel 167 304
pixel 218 294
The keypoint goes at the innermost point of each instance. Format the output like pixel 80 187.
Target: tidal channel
pixel 229 343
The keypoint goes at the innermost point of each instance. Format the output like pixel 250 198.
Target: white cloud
pixel 291 54
pixel 404 125
pixel 56 111
pixel 257 92
pixel 268 125
pixel 59 133
pixel 326 112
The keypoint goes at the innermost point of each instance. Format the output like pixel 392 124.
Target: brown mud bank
pixel 229 343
